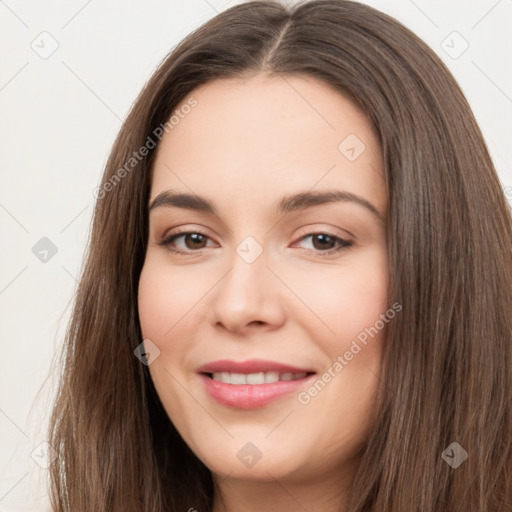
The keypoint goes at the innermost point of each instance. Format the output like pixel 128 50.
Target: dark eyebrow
pixel 287 204
pixel 181 200
pixel 304 200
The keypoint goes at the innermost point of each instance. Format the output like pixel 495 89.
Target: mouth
pixel 251 384
pixel 254 379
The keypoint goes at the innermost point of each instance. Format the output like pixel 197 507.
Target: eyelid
pixel 183 230
pixel 317 228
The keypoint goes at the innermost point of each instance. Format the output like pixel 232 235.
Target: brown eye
pixel 321 241
pixel 190 242
pixel 196 240
pixel 326 243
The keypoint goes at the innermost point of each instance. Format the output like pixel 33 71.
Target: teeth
pixel 238 378
pixel 224 377
pixel 271 377
pixel 256 378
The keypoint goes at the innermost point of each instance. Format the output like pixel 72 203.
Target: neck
pixel 321 493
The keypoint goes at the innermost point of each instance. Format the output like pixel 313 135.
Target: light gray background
pixel 59 117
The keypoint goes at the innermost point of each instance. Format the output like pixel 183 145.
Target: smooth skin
pixel 246 144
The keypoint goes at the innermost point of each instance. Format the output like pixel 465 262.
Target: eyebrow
pixel 287 204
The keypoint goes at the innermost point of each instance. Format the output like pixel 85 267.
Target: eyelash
pixel 343 244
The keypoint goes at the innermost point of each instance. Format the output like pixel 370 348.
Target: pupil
pixel 196 239
pixel 324 238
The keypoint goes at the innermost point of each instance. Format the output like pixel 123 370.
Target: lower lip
pixel 250 396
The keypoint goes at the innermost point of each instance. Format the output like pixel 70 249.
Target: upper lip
pixel 250 366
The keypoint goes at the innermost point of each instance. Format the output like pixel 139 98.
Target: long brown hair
pixel 447 365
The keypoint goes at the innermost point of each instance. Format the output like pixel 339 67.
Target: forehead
pixel 248 141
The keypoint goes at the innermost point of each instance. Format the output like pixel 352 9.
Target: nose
pixel 248 297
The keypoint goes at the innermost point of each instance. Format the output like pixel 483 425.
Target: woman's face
pixel 266 330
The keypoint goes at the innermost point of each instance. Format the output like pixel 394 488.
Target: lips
pixel 253 383
pixel 250 366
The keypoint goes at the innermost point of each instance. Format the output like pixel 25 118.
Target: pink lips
pixel 250 396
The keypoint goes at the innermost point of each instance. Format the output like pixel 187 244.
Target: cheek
pixel 165 298
pixel 171 310
pixel 166 315
pixel 340 407
pixel 343 301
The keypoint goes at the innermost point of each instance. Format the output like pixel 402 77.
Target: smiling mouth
pixel 252 390
pixel 252 383
pixel 255 378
